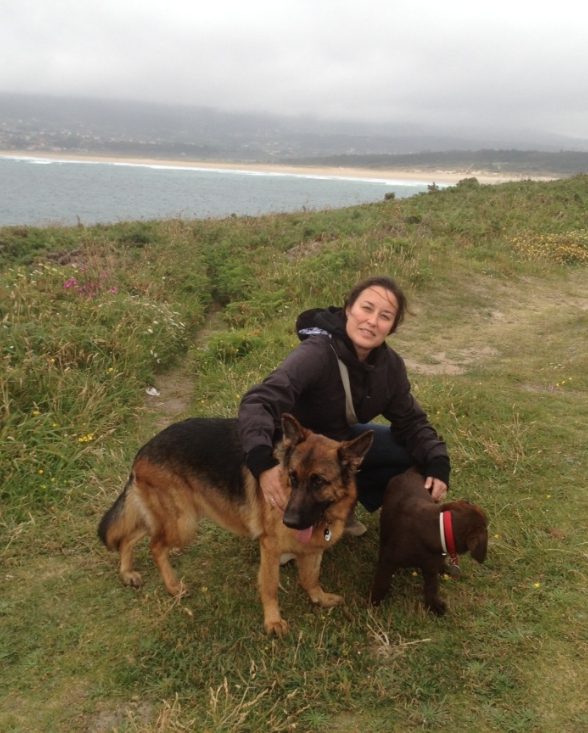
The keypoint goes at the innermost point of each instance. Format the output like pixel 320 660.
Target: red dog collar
pixel 447 541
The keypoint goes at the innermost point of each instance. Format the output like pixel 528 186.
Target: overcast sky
pixel 511 65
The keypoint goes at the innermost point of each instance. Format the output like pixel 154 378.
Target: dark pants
pixel 384 460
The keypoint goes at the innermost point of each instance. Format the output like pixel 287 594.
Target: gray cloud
pixel 504 65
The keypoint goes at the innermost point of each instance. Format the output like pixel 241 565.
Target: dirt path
pixel 174 390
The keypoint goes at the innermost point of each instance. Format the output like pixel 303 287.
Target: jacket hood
pixel 321 322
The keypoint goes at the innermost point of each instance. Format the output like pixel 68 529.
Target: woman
pixel 309 385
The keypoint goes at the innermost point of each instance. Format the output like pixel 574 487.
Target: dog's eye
pixel 293 479
pixel 317 481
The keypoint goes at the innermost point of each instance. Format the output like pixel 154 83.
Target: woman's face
pixel 370 319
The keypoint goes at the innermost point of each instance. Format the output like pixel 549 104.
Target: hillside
pixel 119 128
pixel 495 347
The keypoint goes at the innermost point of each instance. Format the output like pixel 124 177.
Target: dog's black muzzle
pixel 303 513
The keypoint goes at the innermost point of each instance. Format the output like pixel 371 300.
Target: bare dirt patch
pixel 457 362
pixel 172 395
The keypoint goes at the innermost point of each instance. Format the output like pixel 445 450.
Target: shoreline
pixel 397 175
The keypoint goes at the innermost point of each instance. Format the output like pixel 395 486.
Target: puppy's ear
pixel 477 542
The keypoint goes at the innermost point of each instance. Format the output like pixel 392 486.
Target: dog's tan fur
pixel 171 488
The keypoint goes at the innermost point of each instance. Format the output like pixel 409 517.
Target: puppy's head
pixel 470 528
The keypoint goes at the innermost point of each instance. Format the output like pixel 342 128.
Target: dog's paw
pixel 178 589
pixel 437 606
pixel 328 600
pixel 279 627
pixel 132 579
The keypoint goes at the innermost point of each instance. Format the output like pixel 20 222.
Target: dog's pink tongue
pixel 303 535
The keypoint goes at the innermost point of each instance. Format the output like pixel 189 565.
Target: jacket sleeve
pixel 262 406
pixel 411 428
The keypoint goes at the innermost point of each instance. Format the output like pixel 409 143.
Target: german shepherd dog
pixel 195 468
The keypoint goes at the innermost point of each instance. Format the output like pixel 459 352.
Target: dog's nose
pixel 292 519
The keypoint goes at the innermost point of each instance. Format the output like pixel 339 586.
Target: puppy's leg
pixel 309 566
pixel 160 554
pixel 268 581
pixel 382 579
pixel 432 600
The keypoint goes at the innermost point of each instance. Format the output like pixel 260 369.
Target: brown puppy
pixel 195 468
pixel 410 536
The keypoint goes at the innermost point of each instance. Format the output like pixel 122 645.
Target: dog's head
pixel 470 528
pixel 320 471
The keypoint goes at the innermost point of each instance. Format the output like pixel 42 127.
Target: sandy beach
pixel 392 174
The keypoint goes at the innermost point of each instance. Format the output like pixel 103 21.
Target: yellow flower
pixel 41 470
pixel 536 585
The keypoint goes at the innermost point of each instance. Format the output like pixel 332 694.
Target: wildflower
pixel 536 585
pixel 40 470
pixel 35 412
pixel 112 290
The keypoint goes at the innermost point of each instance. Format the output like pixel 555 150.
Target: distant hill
pixel 532 162
pixel 42 123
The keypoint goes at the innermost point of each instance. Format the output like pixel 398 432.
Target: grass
pixel 497 355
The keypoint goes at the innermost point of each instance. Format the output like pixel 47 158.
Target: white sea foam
pixel 220 171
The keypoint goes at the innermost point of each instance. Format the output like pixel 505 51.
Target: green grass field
pixel 497 353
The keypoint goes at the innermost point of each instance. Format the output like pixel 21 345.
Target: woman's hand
pixel 437 488
pixel 272 488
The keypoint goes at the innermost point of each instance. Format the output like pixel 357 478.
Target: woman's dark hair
pixel 382 281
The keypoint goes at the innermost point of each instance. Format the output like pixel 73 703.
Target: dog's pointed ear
pixel 294 433
pixel 477 542
pixel 352 452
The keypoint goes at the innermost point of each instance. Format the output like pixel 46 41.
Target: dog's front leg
pixel 309 566
pixel 269 580
pixel 432 600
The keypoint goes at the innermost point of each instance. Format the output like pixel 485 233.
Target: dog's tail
pixel 122 519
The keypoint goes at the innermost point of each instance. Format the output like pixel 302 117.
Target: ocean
pixel 39 191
